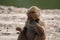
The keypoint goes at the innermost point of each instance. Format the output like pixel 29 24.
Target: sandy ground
pixel 12 17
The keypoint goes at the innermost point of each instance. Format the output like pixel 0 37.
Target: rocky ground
pixel 12 17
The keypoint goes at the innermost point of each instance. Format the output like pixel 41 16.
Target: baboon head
pixel 33 13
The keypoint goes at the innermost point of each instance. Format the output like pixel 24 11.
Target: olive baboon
pixel 34 26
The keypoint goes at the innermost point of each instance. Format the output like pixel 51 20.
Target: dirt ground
pixel 12 17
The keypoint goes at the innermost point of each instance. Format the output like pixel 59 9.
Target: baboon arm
pixel 40 33
pixel 39 30
pixel 37 38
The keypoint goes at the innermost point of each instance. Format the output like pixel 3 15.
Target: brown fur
pixel 34 28
pixel 22 35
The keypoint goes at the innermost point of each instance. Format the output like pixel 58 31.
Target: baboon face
pixel 33 13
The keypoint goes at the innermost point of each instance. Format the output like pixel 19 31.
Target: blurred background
pixel 13 15
pixel 45 4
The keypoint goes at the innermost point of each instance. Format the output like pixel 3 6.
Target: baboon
pixel 34 26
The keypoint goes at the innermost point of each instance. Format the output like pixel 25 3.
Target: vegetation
pixel 27 3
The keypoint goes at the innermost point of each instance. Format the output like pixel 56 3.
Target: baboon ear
pixel 18 29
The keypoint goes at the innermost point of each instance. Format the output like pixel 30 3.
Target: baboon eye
pixel 33 12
